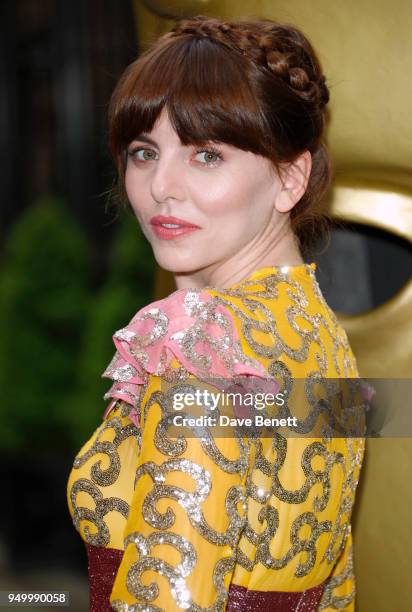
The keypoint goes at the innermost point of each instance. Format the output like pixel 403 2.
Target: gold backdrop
pixel 366 50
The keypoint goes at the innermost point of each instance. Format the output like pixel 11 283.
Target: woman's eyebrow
pixel 144 138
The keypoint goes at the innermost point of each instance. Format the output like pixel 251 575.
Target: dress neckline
pixel 300 271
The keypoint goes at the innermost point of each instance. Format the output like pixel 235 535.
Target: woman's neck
pixel 241 266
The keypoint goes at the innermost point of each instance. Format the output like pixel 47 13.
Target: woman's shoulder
pixel 282 317
pixel 274 319
pixel 190 331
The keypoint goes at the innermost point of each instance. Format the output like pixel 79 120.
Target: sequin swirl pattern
pixel 99 488
pixel 260 516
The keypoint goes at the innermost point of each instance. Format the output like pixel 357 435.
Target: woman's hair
pixel 256 85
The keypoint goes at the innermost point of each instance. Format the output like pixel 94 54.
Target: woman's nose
pixel 167 180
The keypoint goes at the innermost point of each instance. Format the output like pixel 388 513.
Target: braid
pixel 280 48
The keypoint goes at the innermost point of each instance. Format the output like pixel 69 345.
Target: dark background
pixel 73 269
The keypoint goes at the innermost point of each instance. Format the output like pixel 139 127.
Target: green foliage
pixel 56 331
pixel 44 299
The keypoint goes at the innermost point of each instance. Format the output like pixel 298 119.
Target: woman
pixel 218 135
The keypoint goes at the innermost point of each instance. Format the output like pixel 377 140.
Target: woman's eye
pixel 142 154
pixel 147 154
pixel 211 156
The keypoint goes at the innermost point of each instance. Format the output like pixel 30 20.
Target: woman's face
pixel 227 193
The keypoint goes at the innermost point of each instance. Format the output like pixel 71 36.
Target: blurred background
pixel 73 268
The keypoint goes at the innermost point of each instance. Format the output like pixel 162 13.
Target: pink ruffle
pixel 190 325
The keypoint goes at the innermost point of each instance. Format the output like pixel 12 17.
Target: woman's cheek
pixel 213 193
pixel 134 188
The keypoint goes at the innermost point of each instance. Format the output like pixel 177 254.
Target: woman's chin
pixel 174 264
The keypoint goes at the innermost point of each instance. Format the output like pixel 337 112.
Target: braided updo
pixel 282 49
pixel 257 85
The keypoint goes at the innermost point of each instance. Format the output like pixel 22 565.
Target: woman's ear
pixel 295 177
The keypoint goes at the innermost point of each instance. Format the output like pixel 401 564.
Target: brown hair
pixel 256 85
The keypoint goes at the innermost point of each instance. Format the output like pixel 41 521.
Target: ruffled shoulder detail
pixel 189 325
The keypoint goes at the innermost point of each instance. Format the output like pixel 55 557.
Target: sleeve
pixel 340 588
pixel 339 592
pixel 186 515
pixel 188 506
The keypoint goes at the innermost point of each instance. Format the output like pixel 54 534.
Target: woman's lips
pixel 169 233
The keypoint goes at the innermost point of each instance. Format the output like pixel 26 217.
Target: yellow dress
pixel 205 522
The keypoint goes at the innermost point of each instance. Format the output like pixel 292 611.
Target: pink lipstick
pixel 168 228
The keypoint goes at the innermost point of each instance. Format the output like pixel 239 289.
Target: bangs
pixel 208 91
